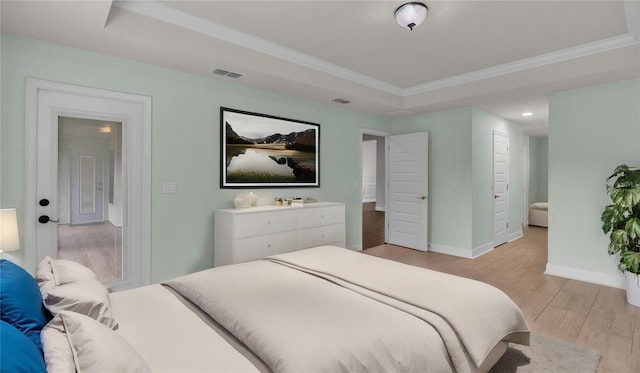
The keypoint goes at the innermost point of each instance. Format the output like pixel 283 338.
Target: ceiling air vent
pixel 229 74
pixel 341 101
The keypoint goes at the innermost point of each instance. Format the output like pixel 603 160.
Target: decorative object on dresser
pixel 244 200
pixel 247 234
pixel 259 150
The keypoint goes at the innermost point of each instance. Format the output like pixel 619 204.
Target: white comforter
pixel 328 309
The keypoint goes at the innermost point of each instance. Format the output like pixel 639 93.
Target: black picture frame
pixel 266 151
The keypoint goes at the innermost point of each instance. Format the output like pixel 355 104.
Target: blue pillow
pixel 21 301
pixel 19 354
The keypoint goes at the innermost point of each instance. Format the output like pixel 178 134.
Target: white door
pixel 87 190
pixel 408 207
pixel 47 103
pixel 500 187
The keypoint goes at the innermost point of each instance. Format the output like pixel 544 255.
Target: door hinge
pixel 507 224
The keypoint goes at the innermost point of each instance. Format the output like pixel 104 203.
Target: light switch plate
pixel 169 187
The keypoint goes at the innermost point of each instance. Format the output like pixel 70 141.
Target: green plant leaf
pixel 607 218
pixel 619 241
pixel 619 170
pixel 633 228
pixel 612 216
pixel 631 261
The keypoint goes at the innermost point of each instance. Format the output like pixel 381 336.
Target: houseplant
pixel 621 220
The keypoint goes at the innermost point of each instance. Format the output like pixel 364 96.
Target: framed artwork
pixel 264 151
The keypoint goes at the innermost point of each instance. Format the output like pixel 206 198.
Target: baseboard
pixel 613 280
pixel 380 208
pixel 451 250
pixel 515 235
pixel 367 200
pixel 481 250
pixel 460 251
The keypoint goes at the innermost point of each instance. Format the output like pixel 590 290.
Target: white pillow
pixel 89 297
pixel 55 272
pixel 73 342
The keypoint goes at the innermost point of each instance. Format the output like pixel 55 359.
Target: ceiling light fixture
pixel 411 14
pixel 527 114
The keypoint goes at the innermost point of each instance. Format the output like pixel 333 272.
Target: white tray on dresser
pixel 252 233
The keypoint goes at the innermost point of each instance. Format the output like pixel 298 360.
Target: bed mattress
pixel 173 336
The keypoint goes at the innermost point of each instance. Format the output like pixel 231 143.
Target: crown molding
pixel 632 17
pixel 216 30
pixel 160 12
pixel 583 50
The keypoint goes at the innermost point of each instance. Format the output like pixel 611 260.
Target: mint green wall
pixel 482 165
pixel 591 131
pixel 450 174
pixel 538 169
pixel 185 142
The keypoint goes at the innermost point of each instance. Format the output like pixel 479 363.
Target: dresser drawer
pixel 319 216
pixel 249 225
pixel 258 247
pixel 326 235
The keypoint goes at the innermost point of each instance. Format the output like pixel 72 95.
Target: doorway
pixel 79 178
pixel 89 194
pixel 373 176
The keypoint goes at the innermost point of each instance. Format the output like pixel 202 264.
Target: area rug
pixel 547 355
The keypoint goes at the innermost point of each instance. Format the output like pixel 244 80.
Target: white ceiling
pixel 502 56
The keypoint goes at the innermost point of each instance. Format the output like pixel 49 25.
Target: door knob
pixel 44 219
pixel 496 196
pixel 422 197
pixel 43 202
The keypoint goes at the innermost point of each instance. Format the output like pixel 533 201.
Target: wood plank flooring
pixel 372 225
pixel 96 246
pixel 590 316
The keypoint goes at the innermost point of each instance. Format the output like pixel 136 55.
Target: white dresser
pixel 252 233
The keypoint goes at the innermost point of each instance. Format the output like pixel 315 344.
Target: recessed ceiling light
pixel 527 114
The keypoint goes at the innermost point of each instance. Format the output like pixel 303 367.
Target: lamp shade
pixel 9 239
pixel 411 14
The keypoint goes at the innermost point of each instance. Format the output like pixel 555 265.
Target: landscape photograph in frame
pixel 264 151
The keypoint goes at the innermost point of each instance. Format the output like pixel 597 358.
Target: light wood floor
pixel 588 315
pixel 96 246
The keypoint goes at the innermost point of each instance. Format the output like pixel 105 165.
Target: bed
pixel 539 214
pixel 323 309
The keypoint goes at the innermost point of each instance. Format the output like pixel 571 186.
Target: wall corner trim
pixel 515 235
pixel 613 280
pixel 460 251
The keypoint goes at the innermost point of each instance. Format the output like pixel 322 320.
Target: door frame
pixel 366 131
pixel 138 137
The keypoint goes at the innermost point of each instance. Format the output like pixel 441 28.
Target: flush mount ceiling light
pixel 527 114
pixel 411 14
pixel 104 129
